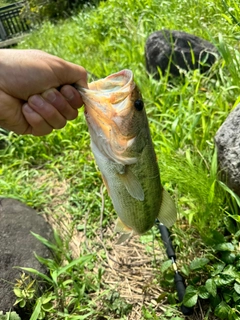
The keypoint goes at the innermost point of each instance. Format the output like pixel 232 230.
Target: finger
pixel 56 99
pixel 37 125
pixel 47 111
pixel 11 117
pixel 72 96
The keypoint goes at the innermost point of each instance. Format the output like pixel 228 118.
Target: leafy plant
pixel 56 174
pixel 9 316
pixel 215 277
pixel 115 304
pixel 51 10
pixel 24 290
pixel 68 283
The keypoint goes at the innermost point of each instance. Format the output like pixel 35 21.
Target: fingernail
pixel 67 93
pixel 50 95
pixel 27 108
pixel 36 100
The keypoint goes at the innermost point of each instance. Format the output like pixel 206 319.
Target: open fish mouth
pixel 107 103
pixel 114 89
pixel 117 82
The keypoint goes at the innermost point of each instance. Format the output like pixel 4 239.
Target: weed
pixel 216 277
pixel 69 282
pixel 57 175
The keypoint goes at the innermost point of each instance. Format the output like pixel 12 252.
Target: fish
pixel 123 150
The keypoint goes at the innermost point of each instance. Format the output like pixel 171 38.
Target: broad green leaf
pixel 18 292
pixel 41 315
pixel 237 234
pixel 211 287
pixel 236 296
pixel 217 268
pixel 230 225
pixel 198 263
pixel 231 271
pixel 203 292
pixel 237 287
pixel 227 295
pixel 222 310
pixel 216 237
pixel 67 282
pixel 228 257
pixel 16 302
pixel 47 307
pixel 190 297
pixel 166 265
pixel 46 298
pixel 227 246
pixel 22 303
pixel 185 270
pixel 223 280
pixel 10 316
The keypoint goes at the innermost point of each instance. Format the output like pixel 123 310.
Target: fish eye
pixel 139 105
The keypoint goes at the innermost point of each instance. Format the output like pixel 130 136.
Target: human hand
pixel 29 100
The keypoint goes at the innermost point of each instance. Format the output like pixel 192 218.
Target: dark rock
pixel 178 48
pixel 17 246
pixel 227 140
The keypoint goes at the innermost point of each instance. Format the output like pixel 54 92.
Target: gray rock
pixel 177 48
pixel 227 140
pixel 17 246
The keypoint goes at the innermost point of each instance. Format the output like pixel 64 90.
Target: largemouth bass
pixel 123 150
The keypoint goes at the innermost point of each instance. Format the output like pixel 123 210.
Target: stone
pixel 227 140
pixel 17 247
pixel 177 48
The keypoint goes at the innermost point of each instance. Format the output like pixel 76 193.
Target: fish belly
pixel 135 214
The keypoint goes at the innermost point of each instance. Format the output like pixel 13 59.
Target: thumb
pixel 72 73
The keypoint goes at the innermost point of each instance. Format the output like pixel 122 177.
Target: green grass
pixel 184 115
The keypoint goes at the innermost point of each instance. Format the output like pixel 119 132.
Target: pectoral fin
pixel 132 184
pixel 168 212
